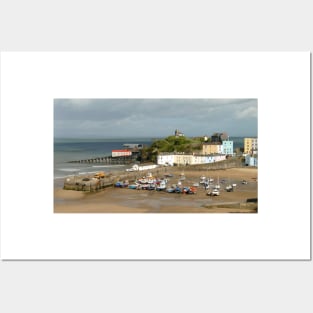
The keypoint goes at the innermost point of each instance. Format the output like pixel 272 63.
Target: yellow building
pixel 250 145
pixel 210 148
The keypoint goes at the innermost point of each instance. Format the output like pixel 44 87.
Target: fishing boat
pixel 178 190
pixel 190 190
pixel 161 186
pixel 133 186
pixel 229 188
pixel 121 184
pixel 214 192
pixel 151 187
pixel 203 180
pixel 182 176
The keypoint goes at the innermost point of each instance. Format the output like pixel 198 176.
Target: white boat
pixel 161 186
pixel 214 192
pixel 229 188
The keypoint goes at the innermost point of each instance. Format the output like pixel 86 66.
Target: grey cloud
pixel 153 117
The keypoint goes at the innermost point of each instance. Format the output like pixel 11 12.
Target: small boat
pixel 214 192
pixel 191 190
pixel 178 190
pixel 168 175
pixel 161 186
pixel 144 186
pixel 121 184
pixel 170 190
pixel 195 185
pixel 229 188
pixel 151 187
pixel 203 180
pixel 133 186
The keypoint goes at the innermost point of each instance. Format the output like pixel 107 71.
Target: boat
pixel 168 175
pixel 229 188
pixel 214 192
pixel 190 190
pixel 121 184
pixel 203 180
pixel 182 176
pixel 161 186
pixel 178 190
pixel 151 187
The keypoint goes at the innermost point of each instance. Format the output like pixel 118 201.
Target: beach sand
pixel 124 200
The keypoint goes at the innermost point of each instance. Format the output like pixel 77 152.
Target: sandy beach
pixel 124 200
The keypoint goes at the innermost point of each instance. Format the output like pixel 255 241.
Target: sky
pixel 112 118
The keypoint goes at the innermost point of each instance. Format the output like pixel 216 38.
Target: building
pixel 251 145
pixel 133 145
pixel 219 137
pixel 251 160
pixel 166 159
pixel 178 133
pixel 228 147
pixel 121 153
pixel 212 148
pixel 170 159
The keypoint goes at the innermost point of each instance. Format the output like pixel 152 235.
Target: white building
pixel 188 159
pixel 166 159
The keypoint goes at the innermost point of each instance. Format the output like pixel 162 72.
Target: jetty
pixel 107 160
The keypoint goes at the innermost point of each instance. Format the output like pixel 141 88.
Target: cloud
pixel 249 112
pixel 153 117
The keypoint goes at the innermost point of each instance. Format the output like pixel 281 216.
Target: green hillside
pixel 172 144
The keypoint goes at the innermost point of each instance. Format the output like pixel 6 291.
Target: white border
pixel 29 83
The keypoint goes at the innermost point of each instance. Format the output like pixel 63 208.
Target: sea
pixel 66 150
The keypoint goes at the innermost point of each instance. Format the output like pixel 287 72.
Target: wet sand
pixel 124 200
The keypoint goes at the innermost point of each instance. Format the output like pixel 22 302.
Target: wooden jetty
pixel 107 160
